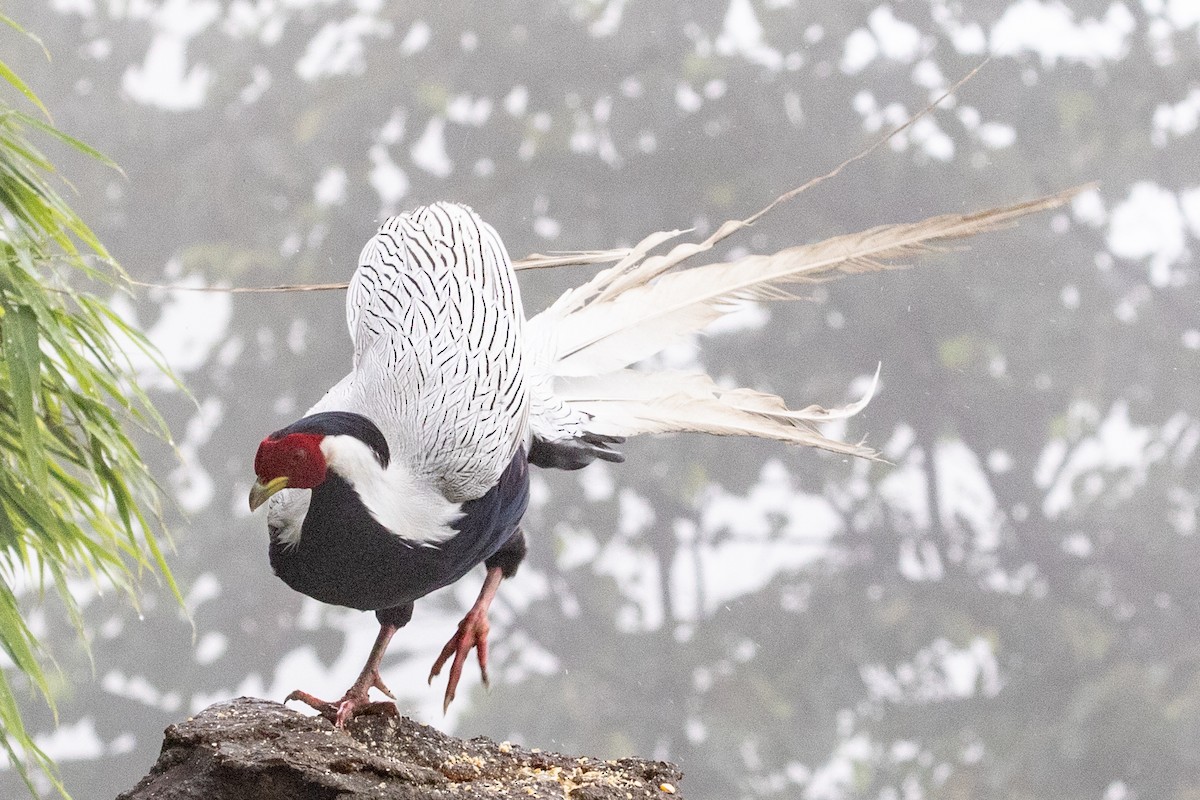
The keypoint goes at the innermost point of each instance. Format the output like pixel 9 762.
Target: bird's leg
pixel 472 632
pixel 356 701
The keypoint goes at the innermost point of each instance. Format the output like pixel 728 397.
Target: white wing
pixel 435 315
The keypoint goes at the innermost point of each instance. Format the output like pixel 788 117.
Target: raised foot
pixel 472 632
pixel 354 702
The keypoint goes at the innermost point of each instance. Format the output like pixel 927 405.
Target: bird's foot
pixel 354 702
pixel 472 632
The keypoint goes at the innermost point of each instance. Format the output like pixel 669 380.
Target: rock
pixel 255 749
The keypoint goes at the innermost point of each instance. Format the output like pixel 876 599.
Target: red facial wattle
pixel 297 457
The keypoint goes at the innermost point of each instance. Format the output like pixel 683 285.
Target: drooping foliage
pixel 76 499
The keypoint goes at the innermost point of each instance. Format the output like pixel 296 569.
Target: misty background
pixel 1010 609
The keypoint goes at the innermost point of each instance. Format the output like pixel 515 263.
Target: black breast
pixel 346 558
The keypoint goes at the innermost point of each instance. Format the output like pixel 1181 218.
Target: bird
pixel 414 468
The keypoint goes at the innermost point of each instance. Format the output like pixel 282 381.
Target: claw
pixel 472 632
pixel 325 709
pixel 381 686
pixel 356 700
pixel 352 704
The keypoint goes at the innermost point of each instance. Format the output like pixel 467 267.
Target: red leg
pixel 356 701
pixel 472 632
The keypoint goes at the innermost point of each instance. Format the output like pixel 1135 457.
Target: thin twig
pixel 534 261
pixel 586 257
pixel 783 198
pixel 297 287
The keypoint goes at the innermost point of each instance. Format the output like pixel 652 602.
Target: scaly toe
pixel 325 709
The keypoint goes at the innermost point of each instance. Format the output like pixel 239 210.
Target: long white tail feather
pixel 774 407
pixel 582 345
pixel 641 318
pixel 628 403
pixel 653 267
pixel 574 299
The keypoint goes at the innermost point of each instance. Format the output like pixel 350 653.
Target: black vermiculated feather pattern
pixel 461 396
pixel 435 314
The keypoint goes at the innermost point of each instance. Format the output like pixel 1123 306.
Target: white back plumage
pixel 435 315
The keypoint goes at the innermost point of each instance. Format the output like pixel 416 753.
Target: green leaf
pixel 11 729
pixel 24 360
pixel 69 140
pixel 17 640
pixel 76 499
pixel 20 86
pixel 10 22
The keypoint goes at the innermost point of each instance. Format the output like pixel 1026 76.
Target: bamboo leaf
pixel 67 139
pixel 16 640
pixel 20 86
pixel 11 729
pixel 74 494
pixel 24 358
pixel 10 22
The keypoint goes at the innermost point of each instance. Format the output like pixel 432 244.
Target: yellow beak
pixel 261 491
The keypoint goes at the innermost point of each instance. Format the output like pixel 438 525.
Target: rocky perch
pixel 249 748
